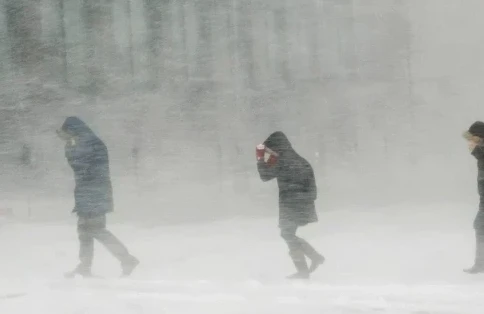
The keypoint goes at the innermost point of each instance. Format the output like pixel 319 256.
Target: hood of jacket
pixel 76 127
pixel 278 142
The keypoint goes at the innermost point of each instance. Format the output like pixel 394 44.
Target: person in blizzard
pixel 88 157
pixel 276 159
pixel 475 138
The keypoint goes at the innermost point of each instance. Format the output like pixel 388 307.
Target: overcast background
pixel 374 93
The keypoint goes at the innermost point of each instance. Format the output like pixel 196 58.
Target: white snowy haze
pixel 375 94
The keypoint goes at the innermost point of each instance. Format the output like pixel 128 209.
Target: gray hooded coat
pixel 296 181
pixel 88 157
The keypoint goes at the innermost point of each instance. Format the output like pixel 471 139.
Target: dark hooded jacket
pixel 295 178
pixel 478 152
pixel 88 157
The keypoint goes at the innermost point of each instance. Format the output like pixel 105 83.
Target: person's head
pixel 71 128
pixel 278 142
pixel 475 134
pixel 63 135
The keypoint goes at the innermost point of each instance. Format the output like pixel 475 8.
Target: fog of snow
pixel 375 94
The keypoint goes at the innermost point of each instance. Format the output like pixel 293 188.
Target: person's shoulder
pixel 96 144
pixel 303 160
pixel 306 164
pixel 98 141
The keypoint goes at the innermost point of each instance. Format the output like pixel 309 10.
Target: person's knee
pixel 479 226
pixel 102 235
pixel 85 237
pixel 288 235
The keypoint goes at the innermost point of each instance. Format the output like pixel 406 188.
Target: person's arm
pixel 480 187
pixel 94 157
pixel 266 171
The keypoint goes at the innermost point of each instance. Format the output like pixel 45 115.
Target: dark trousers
pixel 479 230
pixel 90 228
pixel 479 260
pixel 299 248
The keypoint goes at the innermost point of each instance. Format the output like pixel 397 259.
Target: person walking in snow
pixel 276 159
pixel 475 138
pixel 88 157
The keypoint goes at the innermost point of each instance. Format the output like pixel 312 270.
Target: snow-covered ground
pixel 405 259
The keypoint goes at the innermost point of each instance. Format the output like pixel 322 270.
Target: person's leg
pixel 316 258
pixel 115 247
pixel 479 260
pixel 86 248
pixel 478 266
pixel 288 233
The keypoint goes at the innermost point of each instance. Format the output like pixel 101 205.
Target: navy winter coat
pixel 295 178
pixel 88 157
pixel 478 152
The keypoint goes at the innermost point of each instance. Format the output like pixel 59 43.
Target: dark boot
pixel 81 270
pixel 301 265
pixel 476 269
pixel 479 260
pixel 316 258
pixel 118 250
pixel 129 266
pixel 86 253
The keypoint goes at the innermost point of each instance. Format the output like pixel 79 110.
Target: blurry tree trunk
pixel 203 102
pixel 245 84
pixel 24 28
pixel 130 38
pixel 153 11
pixel 280 21
pixel 168 43
pixel 201 78
pixel 5 53
pixel 314 29
pixel 243 23
pixel 107 41
pixel 412 104
pixel 183 38
pixel 91 16
pixel 100 45
pixel 408 36
pixel 346 38
pixel 63 48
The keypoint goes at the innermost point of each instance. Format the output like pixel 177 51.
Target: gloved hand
pixel 272 157
pixel 272 160
pixel 260 151
pixel 266 155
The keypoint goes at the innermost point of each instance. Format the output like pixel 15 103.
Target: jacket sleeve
pixel 480 188
pixel 265 171
pixel 91 160
pixel 78 157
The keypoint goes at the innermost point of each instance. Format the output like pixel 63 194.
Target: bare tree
pixel 63 45
pixel 281 30
pixel 91 17
pixel 153 16
pixel 129 24
pixel 201 77
pixel 24 27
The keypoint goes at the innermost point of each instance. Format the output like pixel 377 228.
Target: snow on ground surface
pixel 405 259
